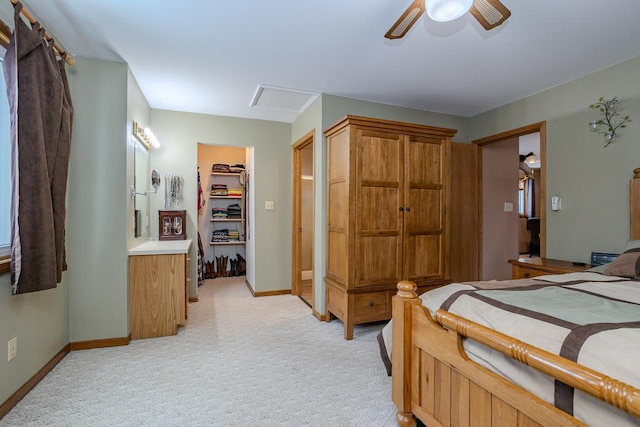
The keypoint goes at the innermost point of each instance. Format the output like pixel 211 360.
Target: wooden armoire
pixel 387 198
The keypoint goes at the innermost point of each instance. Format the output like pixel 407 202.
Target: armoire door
pixel 424 203
pixel 378 239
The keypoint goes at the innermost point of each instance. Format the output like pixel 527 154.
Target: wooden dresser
pixel 387 193
pixel 525 268
pixel 158 288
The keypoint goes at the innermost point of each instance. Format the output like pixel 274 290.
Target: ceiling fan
pixel 490 13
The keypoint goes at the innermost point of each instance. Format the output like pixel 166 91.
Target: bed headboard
pixel 635 205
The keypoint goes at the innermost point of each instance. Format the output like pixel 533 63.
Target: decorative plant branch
pixel 611 120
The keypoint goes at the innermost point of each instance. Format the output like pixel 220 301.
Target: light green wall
pixel 97 212
pixel 334 108
pixel 138 110
pixel 179 133
pixel 40 321
pixel 591 180
pixel 312 119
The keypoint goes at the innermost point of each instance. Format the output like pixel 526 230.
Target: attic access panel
pixel 282 99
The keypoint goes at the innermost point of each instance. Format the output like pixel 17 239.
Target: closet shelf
pixel 226 197
pixel 227 220
pixel 239 242
pixel 226 173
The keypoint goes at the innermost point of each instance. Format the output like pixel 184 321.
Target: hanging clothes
pixel 200 194
pixel 40 108
pixel 201 268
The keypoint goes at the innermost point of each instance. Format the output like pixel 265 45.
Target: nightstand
pixel 526 268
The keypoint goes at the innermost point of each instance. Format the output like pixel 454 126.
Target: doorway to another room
pixel 302 233
pixel 512 201
pixel 529 195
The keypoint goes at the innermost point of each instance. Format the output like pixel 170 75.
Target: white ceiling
pixel 210 56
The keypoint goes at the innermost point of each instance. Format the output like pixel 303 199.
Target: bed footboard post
pixel 402 304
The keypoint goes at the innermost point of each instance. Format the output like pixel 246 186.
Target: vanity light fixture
pixel 611 119
pixel 145 136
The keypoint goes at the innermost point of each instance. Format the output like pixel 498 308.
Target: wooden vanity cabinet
pixel 387 194
pixel 158 294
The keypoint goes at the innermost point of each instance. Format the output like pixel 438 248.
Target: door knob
pixel 408 208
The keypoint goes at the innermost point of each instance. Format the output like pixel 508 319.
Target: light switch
pixel 269 205
pixel 508 207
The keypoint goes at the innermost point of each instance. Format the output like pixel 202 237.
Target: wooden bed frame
pixel 434 380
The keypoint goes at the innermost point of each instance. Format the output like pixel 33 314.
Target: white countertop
pixel 159 247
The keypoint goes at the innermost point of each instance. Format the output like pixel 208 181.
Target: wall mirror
pixel 141 185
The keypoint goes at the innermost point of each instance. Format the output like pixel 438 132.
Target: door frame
pixel 296 215
pixel 515 133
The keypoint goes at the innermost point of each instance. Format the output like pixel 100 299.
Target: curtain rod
pixel 5 35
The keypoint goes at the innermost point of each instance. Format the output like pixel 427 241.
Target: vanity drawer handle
pixel 526 274
pixel 371 303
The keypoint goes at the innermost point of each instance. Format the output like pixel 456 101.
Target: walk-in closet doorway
pixel 224 211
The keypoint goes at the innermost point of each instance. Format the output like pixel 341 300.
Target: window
pixel 5 172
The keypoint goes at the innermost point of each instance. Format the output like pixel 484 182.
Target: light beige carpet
pixel 241 361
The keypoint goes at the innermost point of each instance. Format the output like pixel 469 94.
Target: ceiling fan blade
pixel 406 21
pixel 489 13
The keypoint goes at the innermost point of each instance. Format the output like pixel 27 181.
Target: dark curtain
pixel 41 118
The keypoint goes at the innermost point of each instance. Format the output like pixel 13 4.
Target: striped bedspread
pixel 589 318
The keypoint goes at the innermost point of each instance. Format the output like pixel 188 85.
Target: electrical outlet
pixel 12 348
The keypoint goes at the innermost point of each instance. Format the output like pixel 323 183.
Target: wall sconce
pixel 611 120
pixel 145 136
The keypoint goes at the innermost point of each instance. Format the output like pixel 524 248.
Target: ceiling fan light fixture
pixel 533 161
pixel 447 10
